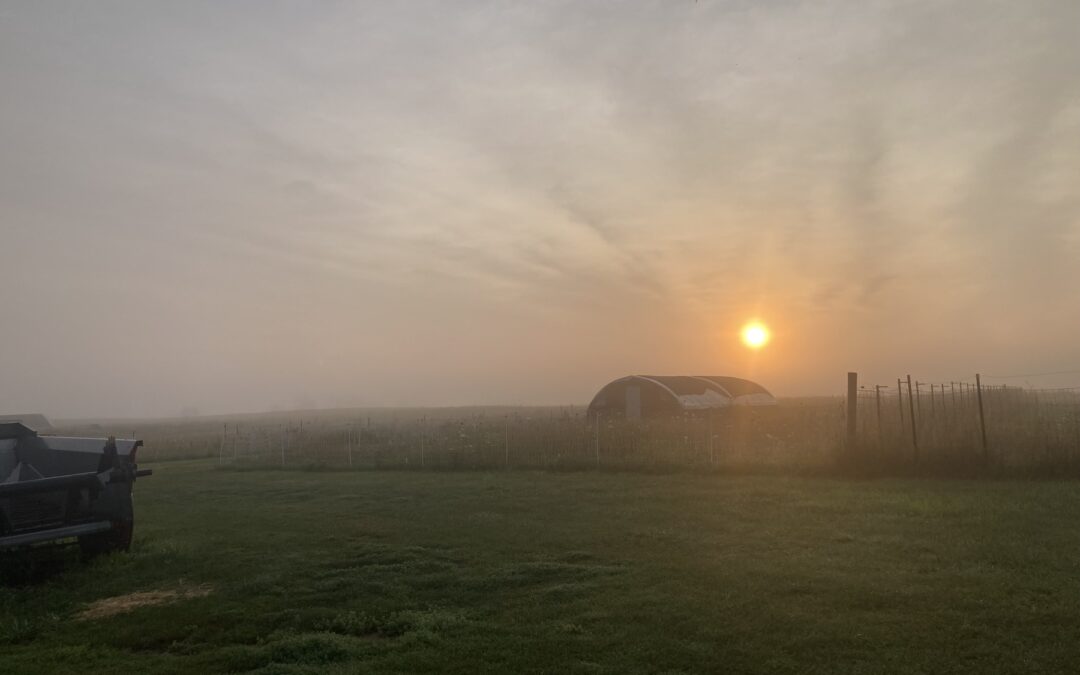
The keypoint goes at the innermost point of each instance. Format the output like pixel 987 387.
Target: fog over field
pixel 248 206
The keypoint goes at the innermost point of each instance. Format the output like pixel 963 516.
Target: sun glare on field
pixel 755 335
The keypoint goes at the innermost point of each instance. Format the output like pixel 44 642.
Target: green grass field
pixel 586 572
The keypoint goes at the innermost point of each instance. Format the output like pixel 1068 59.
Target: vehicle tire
pixel 121 534
pixel 116 539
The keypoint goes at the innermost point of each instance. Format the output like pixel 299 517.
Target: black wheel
pixel 116 539
pixel 122 532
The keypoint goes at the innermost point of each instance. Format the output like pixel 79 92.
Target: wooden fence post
pixel 877 404
pixel 982 418
pixel 852 410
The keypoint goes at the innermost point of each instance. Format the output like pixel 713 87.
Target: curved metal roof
pixel 702 392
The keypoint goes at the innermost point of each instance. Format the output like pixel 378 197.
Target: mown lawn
pixel 519 572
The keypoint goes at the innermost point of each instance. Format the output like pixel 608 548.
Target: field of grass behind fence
pixel 801 432
pixel 1025 429
pixel 939 424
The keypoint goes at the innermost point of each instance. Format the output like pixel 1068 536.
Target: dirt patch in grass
pixel 121 604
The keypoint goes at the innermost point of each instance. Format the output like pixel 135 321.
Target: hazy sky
pixel 253 205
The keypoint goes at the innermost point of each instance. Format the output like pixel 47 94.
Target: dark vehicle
pixel 57 489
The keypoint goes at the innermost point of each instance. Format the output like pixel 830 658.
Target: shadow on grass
pixel 37 565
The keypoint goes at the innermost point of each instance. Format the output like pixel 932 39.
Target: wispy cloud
pixel 419 190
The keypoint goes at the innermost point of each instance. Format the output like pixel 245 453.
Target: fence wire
pixel 927 423
pixel 941 422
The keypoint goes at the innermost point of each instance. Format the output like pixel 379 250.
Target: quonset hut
pixel 639 396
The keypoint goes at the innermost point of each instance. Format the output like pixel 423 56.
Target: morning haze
pixel 248 206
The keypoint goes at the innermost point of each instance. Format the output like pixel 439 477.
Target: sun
pixel 755 335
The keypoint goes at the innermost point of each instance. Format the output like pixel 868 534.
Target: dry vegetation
pixel 1025 429
pixel 798 433
pixel 129 602
pixel 411 571
pixel 1028 430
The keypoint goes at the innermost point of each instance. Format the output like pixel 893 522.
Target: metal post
pixel 852 409
pixel 982 418
pixel 911 410
pixel 900 400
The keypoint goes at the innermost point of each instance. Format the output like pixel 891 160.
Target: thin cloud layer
pixel 244 206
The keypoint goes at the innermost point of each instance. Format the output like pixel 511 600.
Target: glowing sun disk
pixel 755 335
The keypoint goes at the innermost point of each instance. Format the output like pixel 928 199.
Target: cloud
pixel 427 190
